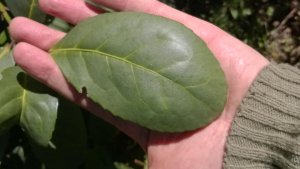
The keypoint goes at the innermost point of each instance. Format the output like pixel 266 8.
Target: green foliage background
pixel 270 26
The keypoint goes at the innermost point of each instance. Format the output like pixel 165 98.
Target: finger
pixel 205 30
pixel 34 33
pixel 72 11
pixel 42 67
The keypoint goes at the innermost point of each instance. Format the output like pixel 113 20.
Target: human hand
pixel 202 148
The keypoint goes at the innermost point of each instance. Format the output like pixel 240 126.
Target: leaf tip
pixel 52 145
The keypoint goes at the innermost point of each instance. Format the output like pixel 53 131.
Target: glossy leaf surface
pixel 27 102
pixel 145 69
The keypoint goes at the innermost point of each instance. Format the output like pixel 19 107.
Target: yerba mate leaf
pixel 145 69
pixel 25 101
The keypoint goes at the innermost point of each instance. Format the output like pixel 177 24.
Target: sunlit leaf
pixel 246 11
pixel 270 11
pixel 144 68
pixel 27 102
pixel 234 13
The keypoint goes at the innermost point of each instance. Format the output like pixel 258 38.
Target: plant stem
pixel 4 13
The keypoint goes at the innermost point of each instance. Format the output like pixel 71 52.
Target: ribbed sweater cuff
pixel 266 130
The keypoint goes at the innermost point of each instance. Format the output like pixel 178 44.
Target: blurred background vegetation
pixel 270 26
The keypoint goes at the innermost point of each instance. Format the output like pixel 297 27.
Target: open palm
pixel 203 148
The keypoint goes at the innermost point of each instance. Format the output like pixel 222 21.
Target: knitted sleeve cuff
pixel 266 130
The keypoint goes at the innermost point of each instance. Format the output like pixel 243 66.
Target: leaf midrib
pixel 53 51
pixel 31 8
pixel 23 97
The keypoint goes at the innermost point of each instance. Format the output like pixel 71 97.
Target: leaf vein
pixel 129 62
pixel 134 51
pixel 103 43
pixel 138 90
pixel 108 65
pixel 7 103
pixel 31 9
pixel 23 97
pixel 198 85
pixel 87 70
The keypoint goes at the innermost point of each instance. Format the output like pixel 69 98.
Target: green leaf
pixel 60 25
pixel 39 110
pixel 4 13
pixel 28 102
pixel 26 8
pixel 234 13
pixel 270 11
pixel 69 139
pixel 246 11
pixel 10 99
pixel 145 69
pixel 6 59
pixel 3 37
pixel 98 6
pixel 146 163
